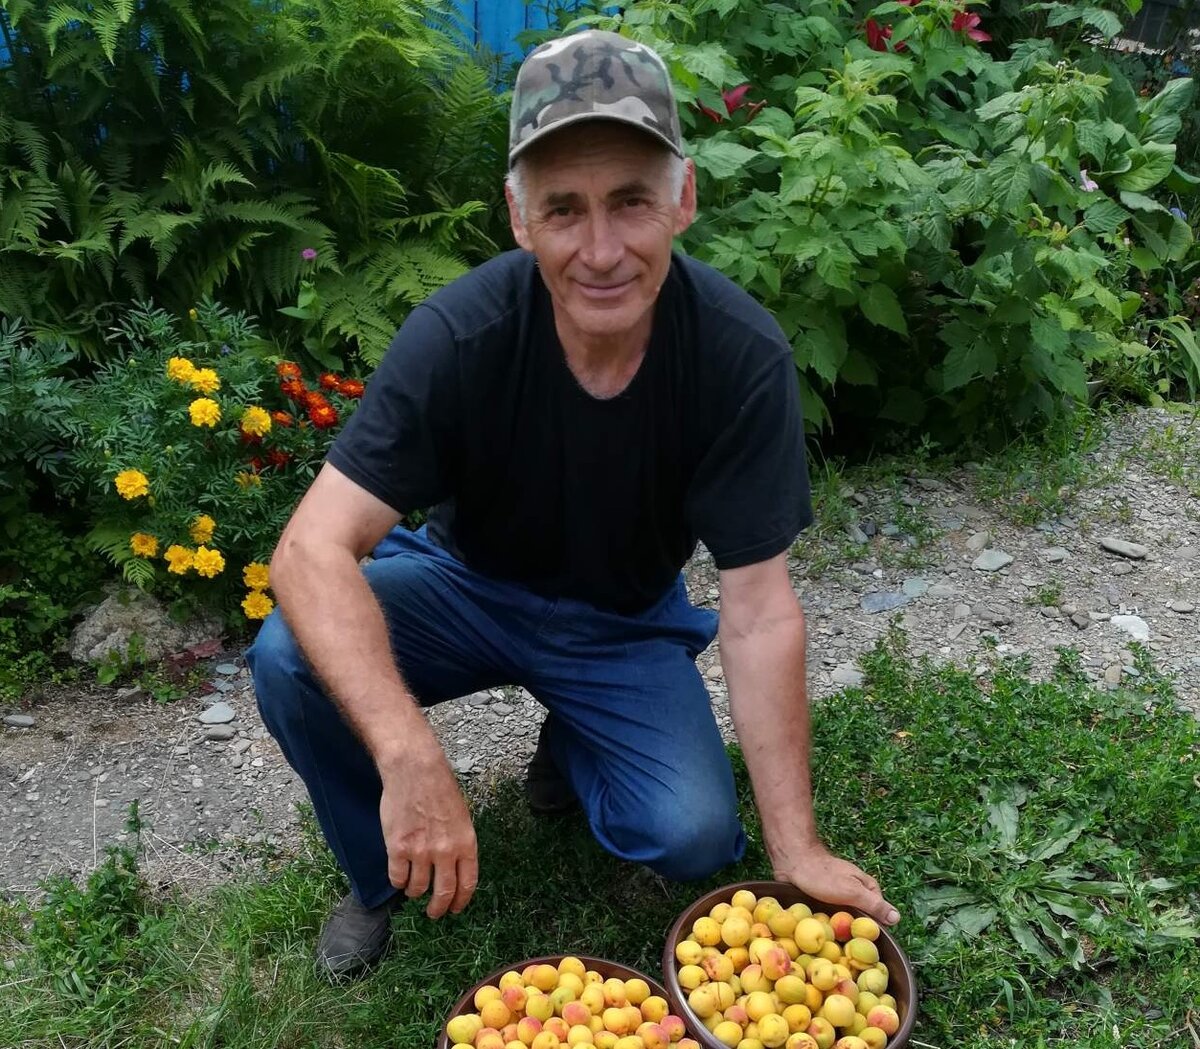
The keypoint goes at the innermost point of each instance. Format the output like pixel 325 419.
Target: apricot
pixel 489 1038
pixel 514 1044
pixel 750 1043
pixel 674 1026
pixel 514 996
pixel 580 1034
pixel 822 1032
pixel 782 923
pixel 654 1008
pixel 775 963
pixel 850 1041
pixel 838 1010
pixel 560 997
pixel 790 989
pixel 874 1037
pixel 760 931
pixel 744 898
pixel 848 988
pixel 752 978
pixel 605 1039
pixel 832 950
pixel 773 1030
pixel 539 1006
pixel 636 991
pixel 703 1002
pixel 863 953
pixel 841 923
pixel 575 1013
pixel 630 1041
pixel 809 935
pixel 571 980
pixel 688 1043
pixel 546 1040
pixel 798 1017
pixel 591 976
pixel 593 997
pixel 738 957
pixel 706 932
pixel 735 931
pixel 690 977
pixel 800 1040
pixel 528 1028
pixel 866 1002
pixel 789 945
pixel 888 1000
pixel 512 978
pixel 557 1026
pixel 728 1033
pixel 758 1005
pixel 720 912
pixel 766 906
pixel 544 977
pixel 464 1028
pixel 495 1013
pixel 737 1013
pixel 509 1033
pixel 885 1018
pixel 688 952
pixel 872 980
pixel 616 1020
pixel 614 992
pixel 653 1035
pixel 718 968
pixel 633 1017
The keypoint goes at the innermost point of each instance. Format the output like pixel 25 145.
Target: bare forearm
pixel 340 627
pixel 765 672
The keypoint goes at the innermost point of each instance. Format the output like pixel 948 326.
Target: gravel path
pixel 215 796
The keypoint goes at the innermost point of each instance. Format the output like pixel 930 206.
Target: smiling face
pixel 600 215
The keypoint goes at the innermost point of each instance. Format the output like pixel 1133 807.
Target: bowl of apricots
pixel 563 1001
pixel 760 965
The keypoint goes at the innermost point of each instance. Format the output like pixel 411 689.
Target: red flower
pixel 879 35
pixel 278 458
pixel 288 370
pixel 282 418
pixel 734 99
pixel 315 399
pixel 328 381
pixel 249 438
pixel 294 389
pixel 908 3
pixel 256 465
pixel 351 388
pixel 323 416
pixel 968 22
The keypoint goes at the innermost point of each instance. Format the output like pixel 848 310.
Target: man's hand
pixel 824 876
pixel 428 832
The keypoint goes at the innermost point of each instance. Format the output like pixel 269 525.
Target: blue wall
pixel 496 23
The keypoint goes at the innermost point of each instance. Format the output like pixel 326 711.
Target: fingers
pixel 445 887
pixel 419 878
pixel 871 900
pixel 468 878
pixel 398 871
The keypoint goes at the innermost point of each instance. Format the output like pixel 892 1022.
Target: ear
pixel 519 232
pixel 686 212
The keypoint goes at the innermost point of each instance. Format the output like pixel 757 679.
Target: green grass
pixel 930 778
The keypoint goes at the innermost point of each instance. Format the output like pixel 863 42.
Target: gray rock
pixel 1055 553
pixel 503 709
pixel 952 524
pixel 991 561
pixel 962 611
pixel 1135 626
pixel 1121 568
pixel 883 601
pixel 224 686
pixel 993 614
pixel 856 534
pixel 19 721
pixel 462 765
pixel 929 484
pixel 1112 674
pixel 890 529
pixel 219 733
pixel 1183 607
pixel 1187 553
pixel 942 590
pixel 228 669
pixel 915 587
pixel 978 542
pixel 847 674
pixel 1050 612
pixel 218 714
pixel 956 629
pixel 109 626
pixel 1081 620
pixel 1125 549
pixel 240 746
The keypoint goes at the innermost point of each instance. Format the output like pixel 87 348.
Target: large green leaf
pixel 1151 163
pixel 1105 216
pixel 966 361
pixel 904 405
pixel 880 306
pixel 721 158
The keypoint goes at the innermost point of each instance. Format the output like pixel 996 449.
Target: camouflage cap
pixel 592 75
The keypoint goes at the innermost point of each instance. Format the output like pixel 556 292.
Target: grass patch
pixel 1065 813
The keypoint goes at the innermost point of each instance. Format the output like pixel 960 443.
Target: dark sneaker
pixel 547 789
pixel 354 937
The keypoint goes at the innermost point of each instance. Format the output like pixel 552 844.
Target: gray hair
pixel 676 169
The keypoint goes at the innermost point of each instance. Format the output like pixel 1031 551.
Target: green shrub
pixel 944 237
pixel 197 450
pixel 174 150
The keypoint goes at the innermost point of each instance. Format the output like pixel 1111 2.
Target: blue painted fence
pixel 495 24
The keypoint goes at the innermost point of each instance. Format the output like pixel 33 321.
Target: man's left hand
pixel 824 876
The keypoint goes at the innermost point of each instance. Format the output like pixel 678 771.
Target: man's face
pixel 600 217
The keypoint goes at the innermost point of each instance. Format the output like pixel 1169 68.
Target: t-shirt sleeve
pixel 749 498
pixel 399 444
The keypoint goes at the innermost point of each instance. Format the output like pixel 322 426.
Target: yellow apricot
pixel 728 1033
pixel 782 923
pixel 654 1008
pixel 571 964
pixel 874 1037
pixel 773 1030
pixel 636 991
pixel 809 935
pixel 706 932
pixel 544 978
pixel 735 931
pixel 688 952
pixel 838 1010
pixel 798 1017
pixel 766 907
pixel 703 1002
pixel 691 976
pixel 744 898
pixel 790 989
pixel 464 1028
pixel 865 928
pixel 758 1005
pixel 485 994
pixel 720 912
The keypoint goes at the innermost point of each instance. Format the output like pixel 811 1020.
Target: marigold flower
pixel 180 369
pixel 329 381
pixel 204 412
pixel 202 529
pixel 208 563
pixel 205 380
pixel 249 439
pixel 256 420
pixel 288 370
pixel 179 559
pixel 294 389
pixel 351 388
pixel 131 483
pixel 256 576
pixel 323 416
pixel 278 458
pixel 143 545
pixel 315 399
pixel 282 418
pixel 257 605
pixel 248 480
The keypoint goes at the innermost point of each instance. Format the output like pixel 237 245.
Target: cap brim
pixel 579 118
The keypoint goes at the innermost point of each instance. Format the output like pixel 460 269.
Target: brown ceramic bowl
pixel 901 984
pixel 466 1004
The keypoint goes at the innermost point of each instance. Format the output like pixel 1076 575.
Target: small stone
pixel 224 686
pixel 883 601
pixel 956 629
pixel 714 673
pixel 978 542
pixel 1112 674
pixel 915 587
pixel 962 611
pixel 847 674
pixel 228 669
pixel 1187 553
pixel 102 803
pixel 856 534
pixel 890 529
pixel 19 721
pixel 1055 553
pixel 929 484
pixel 197 782
pixel 219 733
pixel 1081 620
pixel 1135 626
pixel 991 561
pixel 463 765
pixel 217 714
pixel 942 590
pixel 1182 607
pixel 1050 612
pixel 503 709
pixel 240 745
pixel 1125 549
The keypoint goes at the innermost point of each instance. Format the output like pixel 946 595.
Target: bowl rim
pixel 620 969
pixel 764 887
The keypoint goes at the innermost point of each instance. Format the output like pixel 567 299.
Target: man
pixel 579 412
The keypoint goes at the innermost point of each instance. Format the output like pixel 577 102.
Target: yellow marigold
pixel 205 380
pixel 208 563
pixel 202 529
pixel 143 545
pixel 256 421
pixel 204 412
pixel 256 576
pixel 248 480
pixel 131 483
pixel 257 605
pixel 180 369
pixel 179 559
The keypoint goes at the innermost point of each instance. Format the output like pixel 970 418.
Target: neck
pixel 604 364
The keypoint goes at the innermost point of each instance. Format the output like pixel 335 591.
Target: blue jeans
pixel 634 732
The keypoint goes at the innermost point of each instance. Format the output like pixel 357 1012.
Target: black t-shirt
pixel 474 412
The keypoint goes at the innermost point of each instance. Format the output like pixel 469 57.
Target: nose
pixel 603 247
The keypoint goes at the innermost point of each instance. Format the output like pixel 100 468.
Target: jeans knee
pixel 692 845
pixel 276 665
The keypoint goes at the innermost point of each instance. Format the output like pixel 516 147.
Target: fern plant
pixel 174 151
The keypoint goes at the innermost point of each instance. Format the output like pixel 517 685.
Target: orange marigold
pixel 315 399
pixel 323 416
pixel 278 458
pixel 351 388
pixel 288 370
pixel 294 389
pixel 282 418
pixel 329 381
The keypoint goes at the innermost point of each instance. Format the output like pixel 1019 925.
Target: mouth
pixel 603 292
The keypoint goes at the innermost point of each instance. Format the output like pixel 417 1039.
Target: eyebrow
pixel 636 188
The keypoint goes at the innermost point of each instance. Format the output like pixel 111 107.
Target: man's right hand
pixel 428 832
